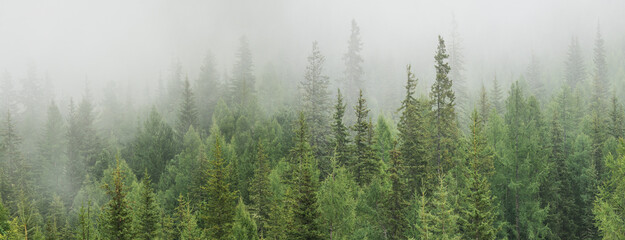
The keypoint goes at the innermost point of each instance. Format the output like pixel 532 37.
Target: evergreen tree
pixel 186 227
pixel 413 137
pixel 575 70
pixel 188 114
pixel 52 153
pixel 4 220
pixel 599 82
pixel 478 215
pixel 304 222
pixel 353 64
pixel 218 212
pixel 497 96
pixel 534 79
pixel 260 191
pixel 444 223
pixel 244 227
pixel 147 212
pixel 616 123
pixel 84 144
pixel 337 204
pixel 365 166
pixel 243 83
pixel 423 224
pixel 153 147
pixel 456 74
pixel 445 123
pixel 316 106
pixel 85 230
pixel 116 218
pixel 208 90
pixel 608 206
pixel 339 130
pixel 484 106
pixel 396 203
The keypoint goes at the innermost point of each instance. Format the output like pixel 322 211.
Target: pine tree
pixel 337 204
pixel 443 103
pixel 616 123
pixel 339 130
pixel 316 106
pixel 599 82
pixel 208 90
pixel 218 212
pixel 444 223
pixel 260 191
pixel 575 70
pixel 484 106
pixel 413 137
pixel 478 215
pixel 188 114
pixel 117 219
pixel 186 227
pixel 456 74
pixel 243 82
pixel 353 64
pixel 244 227
pixel 364 166
pixel 608 205
pixel 304 222
pixel 396 203
pixel 496 96
pixel 147 212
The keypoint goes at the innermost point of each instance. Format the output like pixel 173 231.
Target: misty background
pixel 129 45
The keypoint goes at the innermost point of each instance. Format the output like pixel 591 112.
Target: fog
pixel 134 43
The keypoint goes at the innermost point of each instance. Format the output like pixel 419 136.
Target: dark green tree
pixel 147 212
pixel 364 165
pixel 116 214
pixel 186 223
pixel 396 202
pixel 616 123
pixel 445 127
pixel 261 194
pixel 340 133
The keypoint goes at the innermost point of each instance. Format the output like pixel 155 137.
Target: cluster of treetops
pixel 205 165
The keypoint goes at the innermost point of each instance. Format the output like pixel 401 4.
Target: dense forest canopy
pixel 312 120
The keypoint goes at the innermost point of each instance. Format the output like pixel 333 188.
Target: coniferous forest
pixel 334 149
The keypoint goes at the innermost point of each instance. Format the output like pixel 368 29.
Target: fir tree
pixel 533 77
pixel 339 130
pixel 396 203
pixel 608 205
pixel 147 212
pixel 484 106
pixel 599 82
pixel 496 96
pixel 244 227
pixel 208 90
pixel 188 114
pixel 243 82
pixel 444 223
pixel 337 204
pixel 575 70
pixel 218 212
pixel 260 191
pixel 616 123
pixel 364 166
pixel 85 229
pixel 445 123
pixel 353 64
pixel 186 227
pixel 117 219
pixel 315 106
pixel 413 137
pixel 456 74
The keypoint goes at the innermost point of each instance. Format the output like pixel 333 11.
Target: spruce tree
pixel 52 153
pixel 186 227
pixel 147 212
pixel 208 90
pixel 261 194
pixel 218 211
pixel 456 74
pixel 575 70
pixel 608 205
pixel 315 105
pixel 353 64
pixel 304 222
pixel 365 166
pixel 444 223
pixel 616 123
pixel 244 227
pixel 340 133
pixel 496 96
pixel 243 82
pixel 337 204
pixel 534 79
pixel 600 82
pixel 478 215
pixel 85 230
pixel 117 219
pixel 396 202
pixel 413 137
pixel 445 127
pixel 188 114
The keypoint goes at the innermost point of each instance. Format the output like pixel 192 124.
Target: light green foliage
pixel 244 227
pixel 365 164
pixel 337 204
pixel 608 206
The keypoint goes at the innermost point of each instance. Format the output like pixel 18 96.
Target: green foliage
pixel 188 113
pixel 218 211
pixel 116 216
pixel 396 203
pixel 261 191
pixel 186 223
pixel 337 204
pixel 365 164
pixel 244 227
pixel 340 134
pixel 608 206
pixel 445 126
pixel 146 211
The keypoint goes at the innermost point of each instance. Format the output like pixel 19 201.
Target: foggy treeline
pixel 265 120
